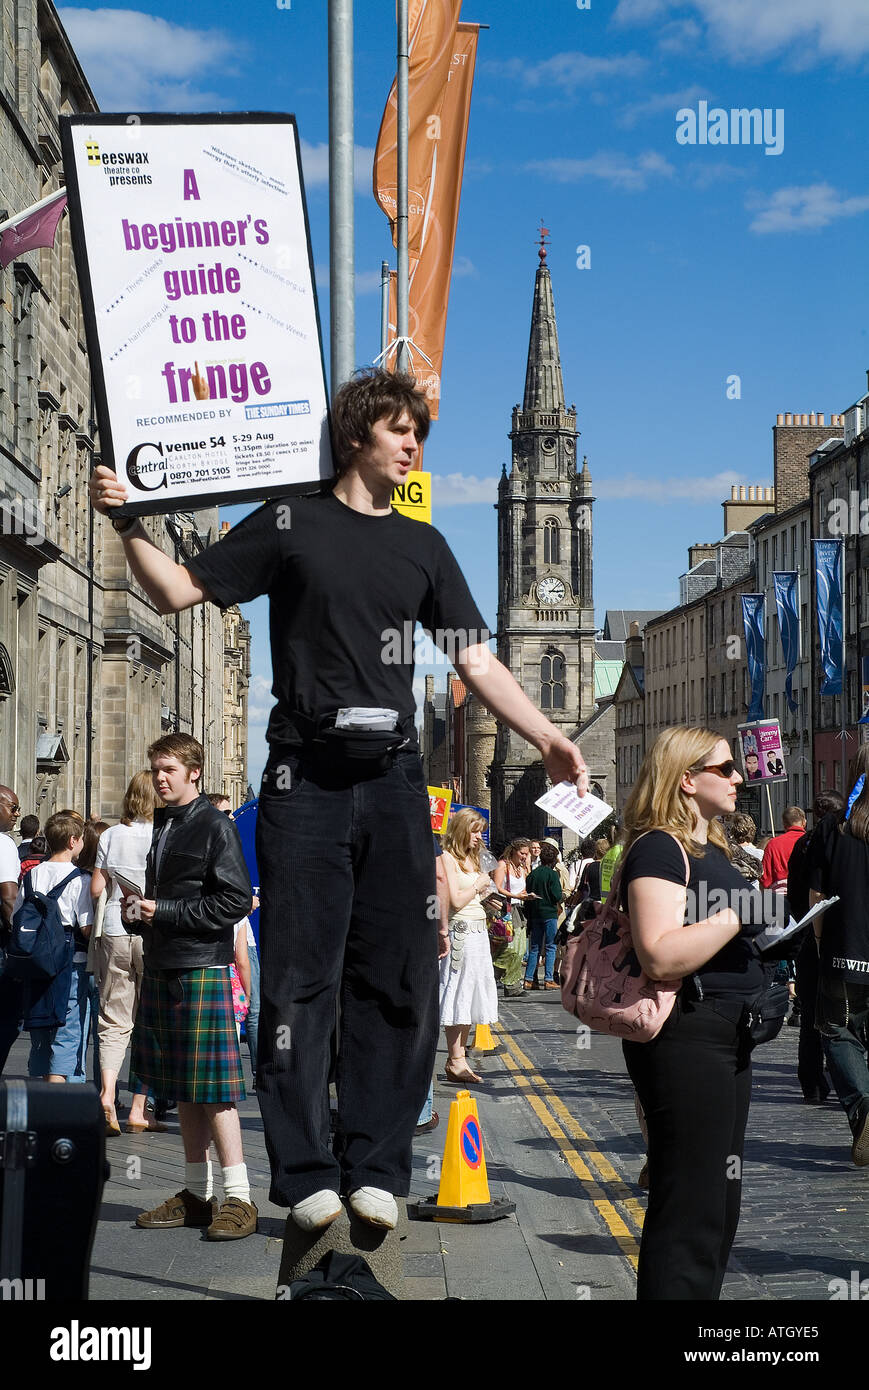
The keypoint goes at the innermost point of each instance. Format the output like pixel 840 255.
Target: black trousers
pixel 11 1014
pixel 694 1084
pixel 810 1052
pixel 348 912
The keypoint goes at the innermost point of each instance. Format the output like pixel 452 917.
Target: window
pixel 804 541
pixel 795 563
pixel 552 681
pixel 551 542
pixel 775 552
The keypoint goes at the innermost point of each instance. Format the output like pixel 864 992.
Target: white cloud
pixel 139 62
pixel 664 101
pixel 260 701
pixel 752 31
pixel 803 209
pixel 665 490
pixel 463 265
pixel 315 165
pixel 682 36
pixel 458 490
pixel 629 172
pixel 567 71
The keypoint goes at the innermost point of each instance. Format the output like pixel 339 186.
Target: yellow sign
pixel 413 497
pixel 607 868
pixel 439 799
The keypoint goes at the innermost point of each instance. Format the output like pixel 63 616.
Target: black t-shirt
pixel 590 880
pixel 798 876
pixel 734 972
pixel 839 863
pixel 346 591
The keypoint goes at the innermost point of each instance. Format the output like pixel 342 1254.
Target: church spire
pixel 544 389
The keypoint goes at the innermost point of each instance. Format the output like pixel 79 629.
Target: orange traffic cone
pixel 463 1194
pixel 483 1040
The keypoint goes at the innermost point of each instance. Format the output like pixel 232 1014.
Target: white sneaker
pixel 375 1206
pixel 317 1211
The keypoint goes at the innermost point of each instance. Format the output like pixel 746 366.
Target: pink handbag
pixel 602 981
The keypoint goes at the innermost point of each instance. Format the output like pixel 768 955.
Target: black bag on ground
pixel 52 1171
pixel 347 1278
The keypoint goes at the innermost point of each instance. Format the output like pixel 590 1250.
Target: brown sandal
pixel 462 1078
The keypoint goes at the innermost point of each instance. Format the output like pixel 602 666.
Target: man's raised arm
pixel 502 695
pixel 170 586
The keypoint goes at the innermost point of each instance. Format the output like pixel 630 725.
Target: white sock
pixel 235 1183
pixel 198 1180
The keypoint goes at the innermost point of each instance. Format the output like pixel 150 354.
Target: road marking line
pixel 602 1200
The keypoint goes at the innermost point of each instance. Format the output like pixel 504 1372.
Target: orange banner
pixel 430 274
pixel 432 29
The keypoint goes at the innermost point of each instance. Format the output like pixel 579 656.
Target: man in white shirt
pixel 10 867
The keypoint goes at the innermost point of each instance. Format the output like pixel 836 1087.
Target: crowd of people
pixel 348 878
pixel 682 841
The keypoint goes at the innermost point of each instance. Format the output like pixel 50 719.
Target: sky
pixel 706 261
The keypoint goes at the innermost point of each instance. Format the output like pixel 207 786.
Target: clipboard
pixel 769 941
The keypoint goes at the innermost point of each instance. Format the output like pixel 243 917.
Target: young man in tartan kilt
pixel 347 876
pixel 185 1042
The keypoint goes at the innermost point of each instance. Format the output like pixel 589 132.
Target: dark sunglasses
pixel 725 770
pixel 14 809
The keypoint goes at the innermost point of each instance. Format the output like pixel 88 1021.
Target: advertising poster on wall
pixel 439 801
pixel 191 244
pixel 762 755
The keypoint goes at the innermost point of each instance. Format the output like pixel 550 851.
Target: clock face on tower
pixel 550 591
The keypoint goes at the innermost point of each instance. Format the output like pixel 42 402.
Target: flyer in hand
pixel 580 813
pixel 193 255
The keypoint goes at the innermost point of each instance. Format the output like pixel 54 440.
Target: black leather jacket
pixel 202 891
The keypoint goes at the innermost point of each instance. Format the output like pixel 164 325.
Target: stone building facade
pixel 839 503
pixel 629 707
pixel 90 673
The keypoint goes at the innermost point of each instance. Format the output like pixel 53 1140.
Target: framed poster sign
pixel 191 243
pixel 762 756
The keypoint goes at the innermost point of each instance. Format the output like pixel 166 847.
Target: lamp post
pixel 342 279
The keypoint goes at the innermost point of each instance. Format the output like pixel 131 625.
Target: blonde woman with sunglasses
pixel 694 1078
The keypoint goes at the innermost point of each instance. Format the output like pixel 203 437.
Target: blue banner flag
pixel 787 602
pixel 831 614
pixel 755 650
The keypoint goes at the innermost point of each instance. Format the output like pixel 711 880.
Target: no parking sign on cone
pixel 463 1194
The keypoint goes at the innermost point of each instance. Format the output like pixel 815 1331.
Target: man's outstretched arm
pixel 493 684
pixel 170 586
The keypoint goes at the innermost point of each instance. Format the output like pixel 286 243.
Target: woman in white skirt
pixel 468 993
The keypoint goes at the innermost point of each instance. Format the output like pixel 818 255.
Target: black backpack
pixel 347 1278
pixel 36 949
